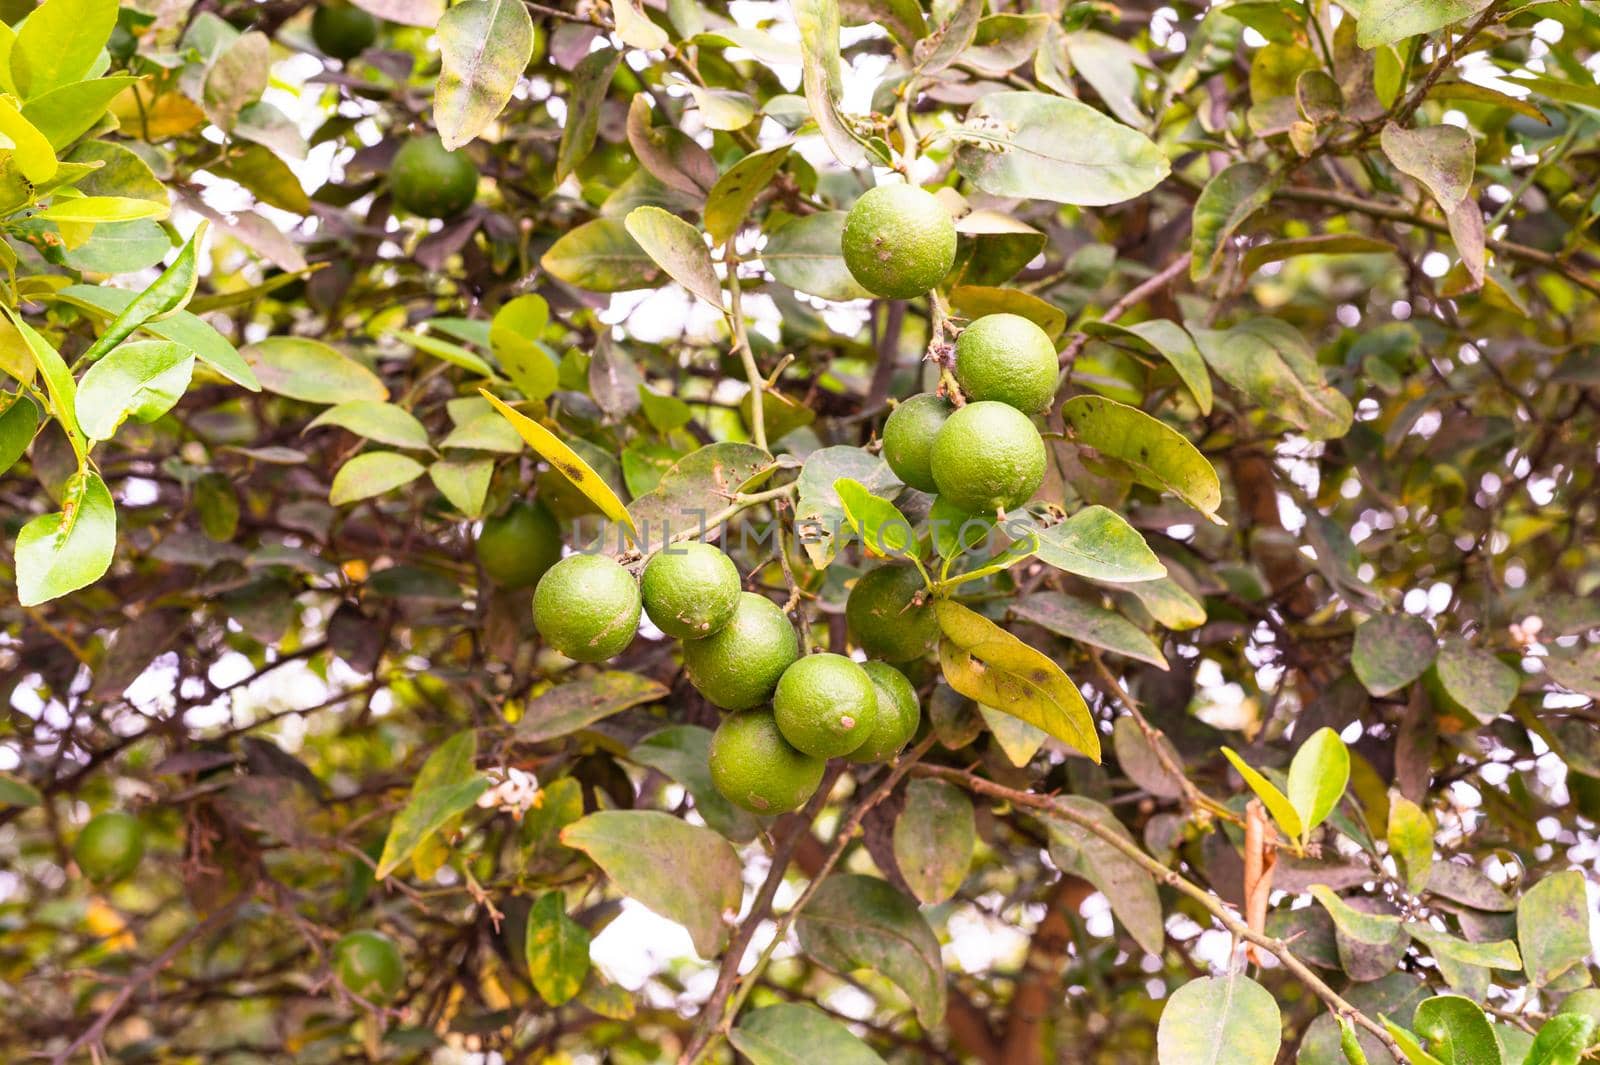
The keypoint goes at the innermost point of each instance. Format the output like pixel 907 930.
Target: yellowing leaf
pixel 565 460
pixel 1276 802
pixel 988 664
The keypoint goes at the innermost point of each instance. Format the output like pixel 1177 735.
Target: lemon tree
pixel 677 530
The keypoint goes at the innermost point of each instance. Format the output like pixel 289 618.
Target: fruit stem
pixel 741 343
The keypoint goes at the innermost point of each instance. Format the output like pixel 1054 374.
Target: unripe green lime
pixel 1008 359
pixel 825 705
pixel 908 438
pixel 109 847
pixel 587 607
pixel 427 180
pixel 898 241
pixel 368 964
pixel 988 456
pixel 889 614
pixel 517 547
pixel 899 713
pixel 690 590
pixel 755 768
pixel 738 666
pixel 342 30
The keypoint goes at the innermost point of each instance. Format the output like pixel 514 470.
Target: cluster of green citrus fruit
pixel 984 454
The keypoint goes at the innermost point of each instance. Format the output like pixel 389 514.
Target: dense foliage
pixel 1259 726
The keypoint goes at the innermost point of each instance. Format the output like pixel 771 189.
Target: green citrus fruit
pixel 518 546
pixel 825 705
pixel 988 456
pixel 908 438
pixel 889 614
pixel 368 964
pixel 587 607
pixel 898 241
pixel 690 590
pixel 737 666
pixel 431 182
pixel 109 847
pixel 899 713
pixel 343 31
pixel 755 767
pixel 1008 359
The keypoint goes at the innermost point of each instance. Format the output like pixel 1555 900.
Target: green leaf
pixel 681 871
pixel 14 791
pixel 635 27
pixel 18 424
pixel 1410 835
pixel 1277 803
pixel 577 704
pixel 1167 340
pixel 1156 453
pixel 210 346
pixel 62 552
pixel 1037 146
pixel 933 839
pixel 1384 22
pixel 1457 1031
pixel 678 248
pixel 823 79
pixel 142 379
pixel 1088 623
pixel 590 80
pixel 1368 929
pixel 804 255
pixel 59 43
pixel 730 199
pixel 237 76
pixel 683 753
pixel 1219 1020
pixel 601 256
pixel 790 1033
pixel 1496 954
pixel 860 922
pixel 1391 651
pixel 1270 362
pixel 58 383
pixel 1410 1046
pixel 489 431
pixel 375 420
pixel 1098 543
pixel 311 371
pixel 1138 758
pixel 557 950
pixel 884 532
pixel 1277 251
pixel 818 511
pixel 164 296
pixel 439 348
pixel 447 785
pixel 989 665
pixel 1227 202
pixel 1478 680
pixel 1577 669
pixel 483 47
pixel 1553 926
pixel 563 458
pixel 1317 777
pixel 1561 1040
pixel 66 113
pixel 514 334
pixel 464 482
pixel 1440 158
pixel 372 473
pixel 1124 883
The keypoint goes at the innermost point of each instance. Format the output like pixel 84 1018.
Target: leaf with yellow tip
pixel 566 460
